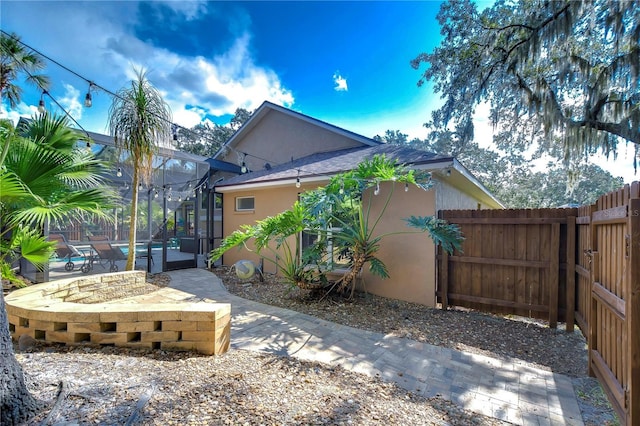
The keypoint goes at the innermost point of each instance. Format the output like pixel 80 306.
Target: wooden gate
pixel 614 311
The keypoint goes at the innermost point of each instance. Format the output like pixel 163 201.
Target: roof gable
pixel 274 135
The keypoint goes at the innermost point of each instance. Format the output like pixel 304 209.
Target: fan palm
pixel 139 119
pixel 15 59
pixel 44 178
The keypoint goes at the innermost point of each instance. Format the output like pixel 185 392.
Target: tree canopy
pixel 553 71
pixel 206 139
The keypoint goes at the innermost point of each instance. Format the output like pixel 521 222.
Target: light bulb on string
pixel 244 168
pixel 377 190
pixel 88 101
pixel 119 172
pixel 179 198
pixel 341 191
pixel 169 197
pixel 41 108
pixel 155 194
pixel 298 180
pixel 406 187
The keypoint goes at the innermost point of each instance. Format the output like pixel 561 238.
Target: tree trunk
pixel 16 403
pixel 133 228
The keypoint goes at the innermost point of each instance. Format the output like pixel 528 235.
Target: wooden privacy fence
pixel 513 262
pixel 608 295
pixel 560 264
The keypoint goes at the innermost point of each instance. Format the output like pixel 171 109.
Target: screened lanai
pixel 179 216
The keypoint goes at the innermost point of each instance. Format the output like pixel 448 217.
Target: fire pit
pixel 119 309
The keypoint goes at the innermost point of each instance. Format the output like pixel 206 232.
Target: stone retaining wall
pixel 119 309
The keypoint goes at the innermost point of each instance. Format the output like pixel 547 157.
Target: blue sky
pixel 346 63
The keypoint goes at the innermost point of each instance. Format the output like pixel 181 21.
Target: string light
pixel 155 194
pixel 377 190
pixel 341 191
pixel 88 102
pixel 298 180
pixel 406 187
pixel 119 172
pixel 41 108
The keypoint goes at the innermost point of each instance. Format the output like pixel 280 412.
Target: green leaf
pixel 441 232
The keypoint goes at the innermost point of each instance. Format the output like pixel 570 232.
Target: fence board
pixel 583 263
pixel 512 262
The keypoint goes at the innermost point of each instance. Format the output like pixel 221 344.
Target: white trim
pixel 272 183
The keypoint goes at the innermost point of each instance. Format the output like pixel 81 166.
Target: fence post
pixel 571 273
pixel 632 310
pixel 444 279
pixel 553 275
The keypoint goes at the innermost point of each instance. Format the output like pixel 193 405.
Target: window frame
pixel 237 204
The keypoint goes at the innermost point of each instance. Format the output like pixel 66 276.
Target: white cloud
pixel 340 82
pixel 70 101
pixel 97 41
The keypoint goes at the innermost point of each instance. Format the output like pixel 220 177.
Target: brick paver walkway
pixel 506 390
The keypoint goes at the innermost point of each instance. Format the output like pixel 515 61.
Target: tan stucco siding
pixel 268 202
pixel 451 198
pixel 279 137
pixel 410 258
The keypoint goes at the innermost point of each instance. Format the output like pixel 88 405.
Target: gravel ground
pixel 122 386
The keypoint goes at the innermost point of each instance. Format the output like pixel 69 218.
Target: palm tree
pixel 138 120
pixel 44 178
pixel 15 60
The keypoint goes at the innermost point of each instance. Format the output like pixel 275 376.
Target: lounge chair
pixel 65 250
pixel 104 252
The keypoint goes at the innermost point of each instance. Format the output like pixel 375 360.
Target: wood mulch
pixel 111 385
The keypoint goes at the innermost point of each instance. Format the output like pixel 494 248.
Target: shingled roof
pixel 330 163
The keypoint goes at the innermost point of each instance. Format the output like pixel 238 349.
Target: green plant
pixel 272 238
pixel 44 179
pixel 337 215
pixel 138 120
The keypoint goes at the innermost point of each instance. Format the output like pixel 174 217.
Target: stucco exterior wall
pixel 268 202
pixel 410 258
pixel 279 137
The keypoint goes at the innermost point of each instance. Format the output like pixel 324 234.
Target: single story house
pixel 283 153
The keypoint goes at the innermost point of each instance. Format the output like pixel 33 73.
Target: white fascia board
pixel 271 184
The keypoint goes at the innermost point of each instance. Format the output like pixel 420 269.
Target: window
pixel 334 256
pixel 245 204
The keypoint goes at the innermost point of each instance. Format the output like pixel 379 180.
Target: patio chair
pixel 104 252
pixel 65 250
